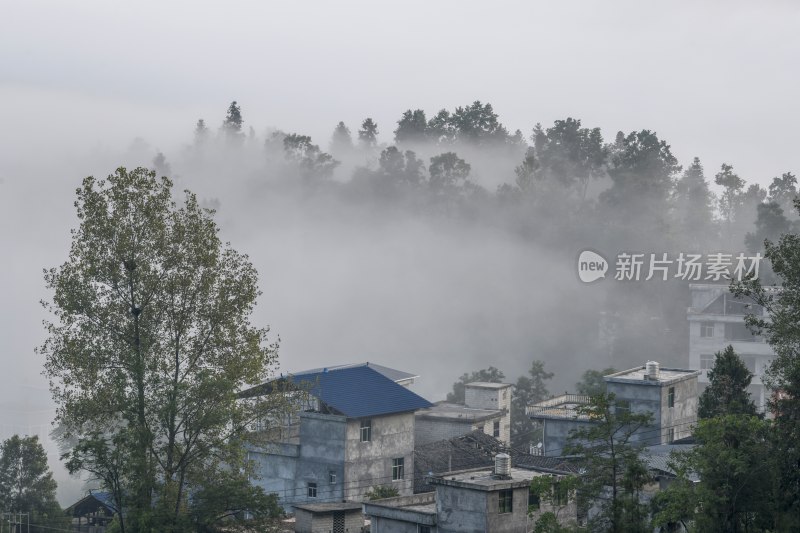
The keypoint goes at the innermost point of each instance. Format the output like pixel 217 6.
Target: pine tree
pixel 727 392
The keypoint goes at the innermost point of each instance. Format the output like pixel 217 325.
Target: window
pixel 332 477
pixel 671 397
pixel 506 501
pixel 398 467
pixel 496 429
pixel 706 329
pixel 671 435
pixel 623 406
pixel 560 494
pixel 424 529
pixel 706 361
pixel 312 490
pixel 533 499
pixel 739 331
pixel 366 430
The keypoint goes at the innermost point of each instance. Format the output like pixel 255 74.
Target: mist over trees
pixel 560 188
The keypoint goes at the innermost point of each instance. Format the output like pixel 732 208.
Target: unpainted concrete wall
pixel 370 463
pixel 481 398
pixel 307 522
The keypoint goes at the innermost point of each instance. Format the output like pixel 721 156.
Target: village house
pixel 486 407
pixel 470 501
pixel 716 320
pixel 668 394
pixel 354 431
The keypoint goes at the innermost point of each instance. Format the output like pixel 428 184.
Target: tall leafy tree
pixel 368 134
pixel 726 393
pixel 642 169
pixel 200 133
pixel 732 461
pixel 151 339
pixel 27 485
pixel 569 155
pixel 730 202
pixel 771 223
pixel 232 125
pixel 477 123
pixel 448 173
pixel 614 472
pixel 440 128
pixel 411 128
pixel 488 375
pixel 694 208
pixel 341 141
pixel 780 326
pixel 310 162
pixel 528 390
pixel 592 382
pixel 783 191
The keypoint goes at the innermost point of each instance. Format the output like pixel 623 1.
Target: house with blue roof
pixel 354 431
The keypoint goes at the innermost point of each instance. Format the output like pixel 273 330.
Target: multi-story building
pixel 716 320
pixel 669 395
pixel 487 407
pixel 356 431
pixel 471 501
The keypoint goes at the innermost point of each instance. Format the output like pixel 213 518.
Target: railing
pixel 563 405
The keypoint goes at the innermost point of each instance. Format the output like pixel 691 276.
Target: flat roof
pixel 328 507
pixel 457 412
pixel 487 385
pixel 484 479
pixel 638 375
pixel 419 508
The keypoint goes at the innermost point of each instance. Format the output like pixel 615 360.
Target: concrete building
pixel 355 431
pixel 487 407
pixel 669 395
pixel 342 517
pixel 469 501
pixel 716 320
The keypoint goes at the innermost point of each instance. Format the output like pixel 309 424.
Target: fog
pixel 351 274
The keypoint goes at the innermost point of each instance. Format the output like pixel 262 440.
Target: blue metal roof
pixel 359 392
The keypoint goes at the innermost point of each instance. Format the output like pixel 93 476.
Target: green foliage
pixel 592 382
pixel 487 375
pixel 732 186
pixel 368 134
pixel 727 392
pixel 311 162
pixel 570 155
pixel 27 485
pixel 379 492
pixel 341 141
pixel 233 120
pixel 411 128
pixel 641 167
pixel 528 390
pixel 675 507
pixel 694 207
pixel 151 340
pixel 732 460
pixel 783 191
pixel 771 223
pixel 448 173
pixel 780 326
pixel 615 474
pixel 232 503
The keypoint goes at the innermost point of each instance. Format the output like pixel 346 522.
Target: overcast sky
pixel 718 80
